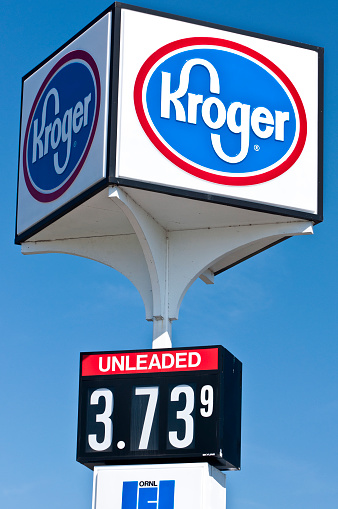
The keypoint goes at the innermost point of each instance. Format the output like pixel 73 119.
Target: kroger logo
pixel 148 495
pixel 220 111
pixel 61 126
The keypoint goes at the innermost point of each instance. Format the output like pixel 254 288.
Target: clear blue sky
pixel 276 312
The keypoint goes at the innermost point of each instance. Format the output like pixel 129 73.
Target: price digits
pixel 183 393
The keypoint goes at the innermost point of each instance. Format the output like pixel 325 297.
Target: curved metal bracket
pixel 163 264
pixel 121 252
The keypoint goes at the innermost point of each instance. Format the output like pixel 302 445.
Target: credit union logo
pixel 148 495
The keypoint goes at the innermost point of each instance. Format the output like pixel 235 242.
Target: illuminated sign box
pixel 225 114
pixel 195 110
pixel 63 139
pixel 152 406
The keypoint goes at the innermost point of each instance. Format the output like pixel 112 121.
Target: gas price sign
pixel 152 406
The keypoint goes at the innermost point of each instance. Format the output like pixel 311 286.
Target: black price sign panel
pixel 155 406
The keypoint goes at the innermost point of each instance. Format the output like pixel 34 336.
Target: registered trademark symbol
pixel 257 148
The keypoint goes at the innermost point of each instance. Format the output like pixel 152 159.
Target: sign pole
pixel 170 160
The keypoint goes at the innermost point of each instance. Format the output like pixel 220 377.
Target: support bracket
pixel 163 263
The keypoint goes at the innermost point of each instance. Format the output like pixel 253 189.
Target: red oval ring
pixel 189 168
pixel 73 55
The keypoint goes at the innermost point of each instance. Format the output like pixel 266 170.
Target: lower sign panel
pixel 175 486
pixel 183 415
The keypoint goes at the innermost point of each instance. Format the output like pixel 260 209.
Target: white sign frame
pixel 147 159
pixel 34 215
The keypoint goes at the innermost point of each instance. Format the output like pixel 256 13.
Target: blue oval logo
pixel 220 111
pixel 61 126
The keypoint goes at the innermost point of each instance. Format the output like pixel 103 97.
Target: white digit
pixel 183 414
pixel 207 398
pixel 105 418
pixel 152 392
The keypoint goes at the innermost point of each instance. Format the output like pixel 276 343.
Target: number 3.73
pixel 206 410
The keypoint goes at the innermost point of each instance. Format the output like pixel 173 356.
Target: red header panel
pixel 150 362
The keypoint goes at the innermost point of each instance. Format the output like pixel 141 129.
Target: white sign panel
pixel 64 116
pixel 217 112
pixel 176 486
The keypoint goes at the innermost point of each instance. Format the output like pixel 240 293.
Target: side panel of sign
pixel 218 112
pixel 63 139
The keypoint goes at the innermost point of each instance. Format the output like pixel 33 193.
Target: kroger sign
pixel 198 111
pixel 197 106
pixel 61 126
